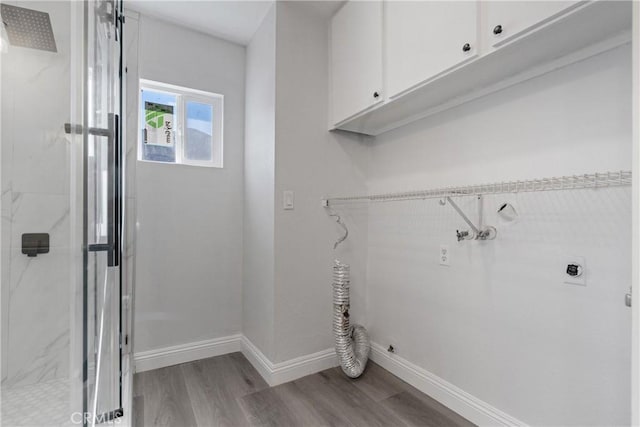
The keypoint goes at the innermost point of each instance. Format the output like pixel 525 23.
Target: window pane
pixel 158 117
pixel 199 139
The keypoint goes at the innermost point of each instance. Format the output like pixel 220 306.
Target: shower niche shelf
pixel 34 244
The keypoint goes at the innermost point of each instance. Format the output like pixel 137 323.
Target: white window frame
pixel 184 95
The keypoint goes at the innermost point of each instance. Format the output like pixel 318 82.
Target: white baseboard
pixel 273 373
pixel 259 361
pixel 289 370
pixel 456 399
pixel 154 359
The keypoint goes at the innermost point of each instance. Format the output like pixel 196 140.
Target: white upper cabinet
pixel 356 58
pixel 425 38
pixel 508 19
pixel 397 61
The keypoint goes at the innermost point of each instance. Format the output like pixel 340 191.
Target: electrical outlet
pixel 444 257
pixel 575 270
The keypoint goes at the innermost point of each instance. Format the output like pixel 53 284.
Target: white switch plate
pixel 581 279
pixel 444 256
pixel 287 200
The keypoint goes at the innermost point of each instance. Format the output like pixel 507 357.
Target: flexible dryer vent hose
pixel 352 342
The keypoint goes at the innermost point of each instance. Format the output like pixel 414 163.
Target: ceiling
pixel 234 20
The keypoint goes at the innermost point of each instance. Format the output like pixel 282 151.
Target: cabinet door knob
pixel 497 29
pixel 376 94
pixel 466 47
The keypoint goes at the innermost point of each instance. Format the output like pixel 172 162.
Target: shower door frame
pixel 113 247
pixel 635 228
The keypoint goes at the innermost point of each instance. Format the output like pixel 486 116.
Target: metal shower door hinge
pixel 77 129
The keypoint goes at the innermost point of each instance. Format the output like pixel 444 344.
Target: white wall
pixel 313 163
pixel 189 235
pixel 288 254
pixel 259 175
pixel 499 322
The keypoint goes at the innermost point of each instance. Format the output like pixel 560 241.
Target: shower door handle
pixel 114 194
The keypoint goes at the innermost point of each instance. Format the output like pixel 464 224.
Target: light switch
pixel 287 200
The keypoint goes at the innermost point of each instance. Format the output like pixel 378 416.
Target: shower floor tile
pixel 42 404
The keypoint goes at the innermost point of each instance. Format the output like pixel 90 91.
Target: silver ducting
pixel 352 342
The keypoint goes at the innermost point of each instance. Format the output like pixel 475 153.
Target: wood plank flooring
pixel 228 391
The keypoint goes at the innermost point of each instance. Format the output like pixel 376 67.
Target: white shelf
pixel 595 180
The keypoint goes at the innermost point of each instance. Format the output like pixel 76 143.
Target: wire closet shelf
pixel 571 182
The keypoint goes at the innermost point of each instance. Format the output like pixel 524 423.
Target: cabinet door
pixel 425 38
pixel 356 58
pixel 508 19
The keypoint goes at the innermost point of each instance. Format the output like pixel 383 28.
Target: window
pixel 180 125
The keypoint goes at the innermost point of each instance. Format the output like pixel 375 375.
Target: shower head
pixel 28 28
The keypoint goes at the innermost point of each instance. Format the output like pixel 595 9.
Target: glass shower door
pixel 102 211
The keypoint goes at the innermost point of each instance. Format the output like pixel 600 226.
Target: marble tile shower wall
pixel 35 198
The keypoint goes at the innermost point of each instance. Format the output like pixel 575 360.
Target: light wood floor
pixel 228 391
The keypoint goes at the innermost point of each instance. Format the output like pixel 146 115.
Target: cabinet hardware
pixel 376 94
pixel 466 47
pixel 497 29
